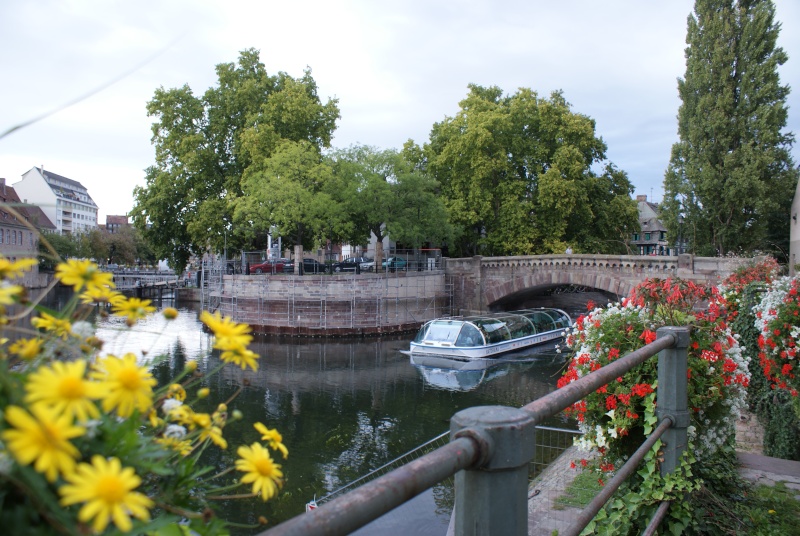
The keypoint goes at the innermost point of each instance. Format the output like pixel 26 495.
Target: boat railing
pixel 490 448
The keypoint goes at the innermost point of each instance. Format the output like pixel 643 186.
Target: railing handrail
pixel 480 440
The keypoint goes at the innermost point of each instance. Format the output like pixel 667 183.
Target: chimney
pixel 3 184
pixel 641 198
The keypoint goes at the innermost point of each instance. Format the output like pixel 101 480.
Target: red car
pixel 268 267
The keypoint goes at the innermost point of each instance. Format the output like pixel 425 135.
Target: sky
pixel 396 68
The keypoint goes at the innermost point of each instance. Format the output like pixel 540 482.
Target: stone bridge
pixel 483 284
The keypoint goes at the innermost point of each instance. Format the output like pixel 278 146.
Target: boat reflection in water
pixel 452 374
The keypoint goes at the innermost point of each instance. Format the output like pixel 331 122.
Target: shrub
pixel 616 418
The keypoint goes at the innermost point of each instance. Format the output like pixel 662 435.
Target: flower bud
pixel 204 392
pixel 237 415
pixel 191 366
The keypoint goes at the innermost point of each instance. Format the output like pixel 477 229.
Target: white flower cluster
pixel 767 310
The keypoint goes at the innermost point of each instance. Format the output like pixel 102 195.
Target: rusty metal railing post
pixel 492 495
pixel 672 395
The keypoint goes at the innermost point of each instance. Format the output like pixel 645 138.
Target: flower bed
pixel 617 417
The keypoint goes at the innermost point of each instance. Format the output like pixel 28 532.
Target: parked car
pixel 309 266
pixel 393 264
pixel 368 266
pixel 353 264
pixel 274 266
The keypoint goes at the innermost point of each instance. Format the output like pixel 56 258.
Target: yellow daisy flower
pixel 101 295
pixel 106 488
pixel 64 387
pixel 181 446
pixel 10 293
pixel 27 349
pixel 274 438
pixel 228 333
pixel 78 274
pixel 214 433
pixel 12 270
pixel 42 437
pixel 265 475
pixel 58 327
pixel 177 392
pixel 133 308
pixel 128 387
pixel 238 354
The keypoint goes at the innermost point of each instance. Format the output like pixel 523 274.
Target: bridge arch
pixel 483 283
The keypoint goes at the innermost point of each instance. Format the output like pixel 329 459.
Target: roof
pixel 32 213
pixel 120 220
pixel 71 189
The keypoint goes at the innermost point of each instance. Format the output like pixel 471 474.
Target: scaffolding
pixel 324 304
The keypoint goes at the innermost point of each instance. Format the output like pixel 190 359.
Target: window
pixel 647 236
pixel 636 236
pixel 663 235
pixel 13 238
pixel 1 236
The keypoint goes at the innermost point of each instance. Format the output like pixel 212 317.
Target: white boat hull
pixel 489 351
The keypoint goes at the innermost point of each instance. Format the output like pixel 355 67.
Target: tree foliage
pixel 205 145
pixel 731 174
pixel 518 177
pixel 384 193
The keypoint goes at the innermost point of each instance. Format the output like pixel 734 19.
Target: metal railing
pixel 491 447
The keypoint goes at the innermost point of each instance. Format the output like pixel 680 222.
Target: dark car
pixel 353 264
pixel 274 266
pixel 309 266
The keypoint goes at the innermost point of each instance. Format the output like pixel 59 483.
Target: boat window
pixel 470 336
pixel 494 330
pixel 562 322
pixel 519 326
pixel 542 321
pixel 443 331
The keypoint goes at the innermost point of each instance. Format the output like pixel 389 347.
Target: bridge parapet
pixel 481 281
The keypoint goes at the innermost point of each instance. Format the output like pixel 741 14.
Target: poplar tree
pixel 729 185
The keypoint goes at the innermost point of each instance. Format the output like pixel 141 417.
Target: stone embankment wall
pixel 329 305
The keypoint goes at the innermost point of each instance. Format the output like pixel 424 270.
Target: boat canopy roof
pixel 492 328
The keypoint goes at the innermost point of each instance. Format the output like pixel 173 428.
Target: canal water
pixel 344 406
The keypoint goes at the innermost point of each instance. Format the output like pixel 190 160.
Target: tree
pixel 383 193
pixel 516 174
pixel 731 175
pixel 205 145
pixel 284 192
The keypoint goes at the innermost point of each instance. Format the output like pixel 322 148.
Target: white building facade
pixel 65 202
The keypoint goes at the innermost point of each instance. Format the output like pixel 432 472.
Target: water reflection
pixel 344 407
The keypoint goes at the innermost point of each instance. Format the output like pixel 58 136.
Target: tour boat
pixel 488 336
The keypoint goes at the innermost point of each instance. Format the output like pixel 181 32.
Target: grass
pixel 764 511
pixel 579 492
pixel 773 510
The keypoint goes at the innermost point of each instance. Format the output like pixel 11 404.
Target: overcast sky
pixel 396 68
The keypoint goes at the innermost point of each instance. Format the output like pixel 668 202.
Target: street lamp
pixel 681 249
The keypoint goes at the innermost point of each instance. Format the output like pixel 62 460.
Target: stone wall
pixel 330 305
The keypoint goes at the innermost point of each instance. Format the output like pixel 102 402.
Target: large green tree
pixel 205 144
pixel 518 177
pixel 731 177
pixel 382 192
